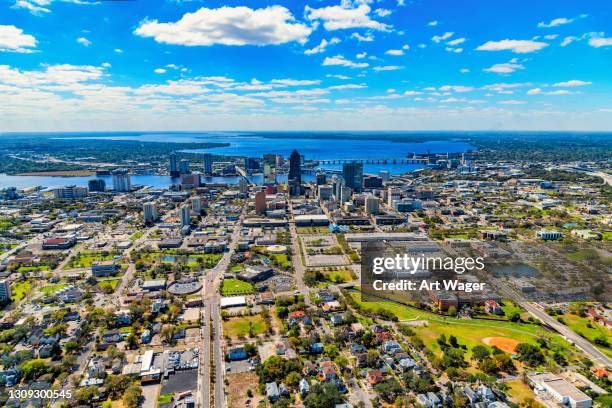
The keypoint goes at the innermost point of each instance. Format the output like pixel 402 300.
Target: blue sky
pixel 341 64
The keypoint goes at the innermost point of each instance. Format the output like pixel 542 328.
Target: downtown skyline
pixel 325 65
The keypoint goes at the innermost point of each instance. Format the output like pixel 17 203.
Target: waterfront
pixel 256 146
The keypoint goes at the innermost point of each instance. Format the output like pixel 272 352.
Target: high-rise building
pixel 384 175
pixel 69 192
pixel 185 216
pixel 295 173
pixel 325 192
pixel 96 185
pixel 184 166
pixel 5 290
pixel 269 174
pixel 196 205
pixel 371 205
pixel 149 213
pixel 337 184
pixel 260 202
pixel 345 194
pixel 121 180
pixel 243 186
pixel 393 194
pixel 208 164
pixel 353 175
pixel 321 178
pixel 173 165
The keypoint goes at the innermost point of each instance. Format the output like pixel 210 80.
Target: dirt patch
pixel 238 386
pixel 503 343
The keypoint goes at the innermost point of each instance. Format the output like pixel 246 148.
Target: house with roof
pixel 374 377
pixel 272 392
pixel 304 387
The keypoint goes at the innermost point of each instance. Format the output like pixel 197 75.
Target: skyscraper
pixel 185 216
pixel 121 180
pixel 269 174
pixel 260 202
pixel 353 175
pixel 184 166
pixel 295 173
pixel 321 178
pixel 149 213
pixel 5 290
pixel 208 167
pixel 98 185
pixel 173 165
pixel 196 205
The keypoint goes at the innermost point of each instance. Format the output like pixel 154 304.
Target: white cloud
pixel 118 50
pixel 344 17
pixel 539 91
pixel 455 50
pixel 363 38
pixel 464 70
pixel 387 68
pixel 559 21
pixel 572 83
pixel 445 36
pixel 381 12
pixel 396 53
pixel 13 39
pixel 347 86
pixel 342 77
pixel 83 41
pixel 295 82
pixel 600 42
pixel 432 23
pixel 361 55
pixel 322 46
pixel 555 22
pixel 228 26
pixel 534 91
pixel 106 64
pixel 551 36
pixel 341 61
pixel 159 71
pixel 505 68
pixel 517 46
pixel 456 41
pixel 34 7
pixel 456 88
pixel 568 40
pixel 512 102
pixel 412 93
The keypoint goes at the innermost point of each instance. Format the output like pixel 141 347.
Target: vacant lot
pixel 239 386
pixel 233 287
pixel 246 326
pixel 85 259
pixel 589 329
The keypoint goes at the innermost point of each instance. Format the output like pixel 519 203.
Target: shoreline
pixel 59 173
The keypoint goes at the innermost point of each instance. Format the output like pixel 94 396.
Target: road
pixel 211 300
pixel 569 334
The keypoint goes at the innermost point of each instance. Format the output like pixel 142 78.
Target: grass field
pixel 136 235
pixel 20 289
pixel 468 332
pixel 51 289
pixel 165 398
pixel 40 268
pixel 606 235
pixel 242 326
pixel 581 326
pixel 312 230
pixel 112 283
pixel 232 287
pixel 518 391
pixel 339 276
pixel 85 259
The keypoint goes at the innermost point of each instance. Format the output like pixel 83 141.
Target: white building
pixel 371 205
pixel 560 390
pixel 150 212
pixel 121 181
pixel 549 235
pixel 69 192
pixel 393 195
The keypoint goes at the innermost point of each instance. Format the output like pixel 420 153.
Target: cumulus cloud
pixel 380 12
pixel 343 17
pixel 445 36
pixel 456 88
pixel 83 41
pixel 387 68
pixel 600 41
pixel 362 38
pixel 322 46
pixel 559 21
pixel 516 46
pixel 505 68
pixel 228 26
pixel 159 70
pixel 341 61
pixel 395 52
pixel 572 83
pixel 432 23
pixel 456 41
pixel 13 39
